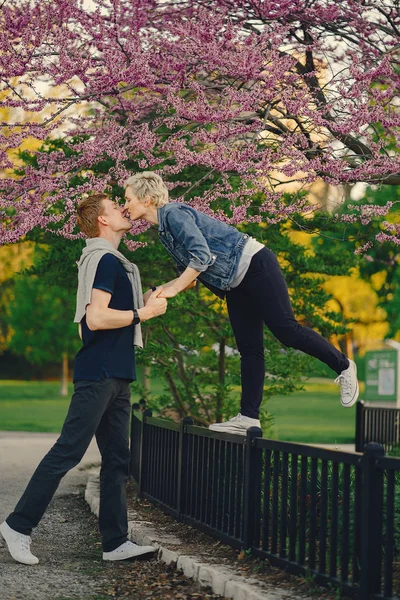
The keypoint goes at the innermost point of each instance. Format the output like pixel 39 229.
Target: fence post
pixel 182 464
pixel 252 487
pixel 371 521
pixel 143 441
pixel 359 426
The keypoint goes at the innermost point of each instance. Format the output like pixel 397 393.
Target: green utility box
pixel 382 371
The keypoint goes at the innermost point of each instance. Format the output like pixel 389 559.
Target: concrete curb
pixel 221 579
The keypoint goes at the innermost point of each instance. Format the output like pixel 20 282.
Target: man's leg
pixel 88 403
pixel 112 438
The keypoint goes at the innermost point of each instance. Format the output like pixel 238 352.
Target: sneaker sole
pixel 353 400
pixel 145 554
pixel 228 430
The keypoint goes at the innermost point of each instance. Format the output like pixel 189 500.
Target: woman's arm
pixel 183 282
pixel 183 228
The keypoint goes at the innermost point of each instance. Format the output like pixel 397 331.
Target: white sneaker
pixel 129 550
pixel 348 382
pixel 238 425
pixel 18 545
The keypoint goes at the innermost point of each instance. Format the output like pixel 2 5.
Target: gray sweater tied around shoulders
pixel 95 249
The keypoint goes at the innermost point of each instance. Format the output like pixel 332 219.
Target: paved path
pixel 65 540
pixel 68 543
pixel 20 453
pixel 342 447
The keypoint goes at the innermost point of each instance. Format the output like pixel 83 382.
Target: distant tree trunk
pixel 345 342
pixel 348 345
pixel 146 380
pixel 221 380
pixel 64 375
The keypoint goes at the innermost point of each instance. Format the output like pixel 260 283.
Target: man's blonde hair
pixel 148 185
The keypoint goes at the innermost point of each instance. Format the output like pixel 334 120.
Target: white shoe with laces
pixel 18 545
pixel 129 550
pixel 348 382
pixel 239 425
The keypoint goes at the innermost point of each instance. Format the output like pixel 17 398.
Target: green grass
pixel 312 416
pixel 32 406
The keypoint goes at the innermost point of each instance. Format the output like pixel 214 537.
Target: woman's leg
pixel 248 328
pixel 265 284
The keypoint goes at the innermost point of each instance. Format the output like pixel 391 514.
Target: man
pixel 110 307
pixel 236 267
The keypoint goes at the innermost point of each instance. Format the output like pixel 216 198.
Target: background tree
pixel 379 264
pixel 192 347
pixel 13 259
pixel 40 318
pixel 269 92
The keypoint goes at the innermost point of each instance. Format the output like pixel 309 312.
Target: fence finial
pixel 374 449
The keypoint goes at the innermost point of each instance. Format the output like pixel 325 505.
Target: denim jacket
pixel 201 242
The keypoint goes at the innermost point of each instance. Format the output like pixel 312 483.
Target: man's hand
pixel 147 295
pixel 155 306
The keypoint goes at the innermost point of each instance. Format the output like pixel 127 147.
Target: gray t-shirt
pixel 250 249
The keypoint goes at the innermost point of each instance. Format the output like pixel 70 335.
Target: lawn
pixel 314 415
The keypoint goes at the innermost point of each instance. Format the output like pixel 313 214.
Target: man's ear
pixel 102 219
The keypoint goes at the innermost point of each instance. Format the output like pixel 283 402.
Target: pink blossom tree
pixel 265 91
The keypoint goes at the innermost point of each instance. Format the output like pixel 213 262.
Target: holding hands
pixel 154 304
pixel 170 289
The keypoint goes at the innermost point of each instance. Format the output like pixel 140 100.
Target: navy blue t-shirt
pixel 108 352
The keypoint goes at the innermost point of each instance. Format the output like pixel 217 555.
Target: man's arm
pixel 100 316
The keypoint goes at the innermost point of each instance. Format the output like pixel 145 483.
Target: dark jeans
pixel 100 408
pixel 262 297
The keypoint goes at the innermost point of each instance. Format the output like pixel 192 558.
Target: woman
pixel 237 267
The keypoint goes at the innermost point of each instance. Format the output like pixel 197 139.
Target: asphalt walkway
pixel 20 453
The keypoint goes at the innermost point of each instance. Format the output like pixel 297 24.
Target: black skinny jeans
pixel 262 297
pixel 100 408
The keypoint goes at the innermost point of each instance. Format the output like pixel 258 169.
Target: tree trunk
pixel 221 380
pixel 64 375
pixel 348 345
pixel 146 380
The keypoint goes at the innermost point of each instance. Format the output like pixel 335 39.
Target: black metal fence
pixel 330 515
pixel 377 424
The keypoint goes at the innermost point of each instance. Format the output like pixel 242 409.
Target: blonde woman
pixel 236 267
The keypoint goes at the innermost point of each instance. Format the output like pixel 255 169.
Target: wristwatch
pixel 136 318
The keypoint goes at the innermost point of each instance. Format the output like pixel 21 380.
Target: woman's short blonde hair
pixel 148 185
